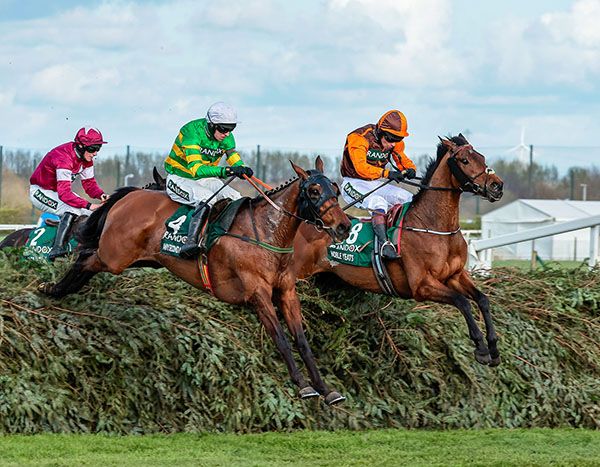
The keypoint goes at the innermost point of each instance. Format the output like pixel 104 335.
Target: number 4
pixel 176 224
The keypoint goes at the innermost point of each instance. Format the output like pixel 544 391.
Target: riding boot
pixel 386 248
pixel 59 248
pixel 190 248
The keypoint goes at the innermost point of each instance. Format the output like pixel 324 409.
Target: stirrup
pixel 57 253
pixel 388 251
pixel 189 251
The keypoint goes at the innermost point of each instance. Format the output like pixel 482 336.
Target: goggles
pixel 93 148
pixel 392 138
pixel 224 127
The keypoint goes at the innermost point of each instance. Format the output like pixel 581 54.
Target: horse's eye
pixel 314 193
pixel 465 161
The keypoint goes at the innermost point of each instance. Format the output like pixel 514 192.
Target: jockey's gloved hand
pixel 410 173
pixel 396 176
pixel 239 171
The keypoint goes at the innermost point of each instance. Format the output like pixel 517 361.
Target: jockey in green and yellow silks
pixel 193 172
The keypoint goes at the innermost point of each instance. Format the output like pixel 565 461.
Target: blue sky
pixel 303 75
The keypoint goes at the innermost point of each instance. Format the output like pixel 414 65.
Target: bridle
pixel 309 209
pixel 468 183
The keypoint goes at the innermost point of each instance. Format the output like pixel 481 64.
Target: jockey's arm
pixel 198 166
pixel 400 159
pixel 357 148
pixel 89 184
pixel 65 190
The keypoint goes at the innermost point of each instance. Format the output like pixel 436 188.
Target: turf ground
pixel 383 447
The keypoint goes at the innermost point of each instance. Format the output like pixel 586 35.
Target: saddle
pixel 219 222
pixel 52 222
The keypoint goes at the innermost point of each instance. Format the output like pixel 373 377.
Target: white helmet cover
pixel 220 112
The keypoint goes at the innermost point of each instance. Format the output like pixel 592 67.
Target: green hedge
pixel 145 352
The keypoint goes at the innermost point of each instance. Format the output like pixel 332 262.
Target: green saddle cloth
pixel 176 230
pixel 357 249
pixel 177 227
pixel 40 243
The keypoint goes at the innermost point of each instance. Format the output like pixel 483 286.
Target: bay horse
pixel 433 251
pixel 128 228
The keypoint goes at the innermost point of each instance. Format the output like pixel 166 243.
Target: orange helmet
pixel 394 122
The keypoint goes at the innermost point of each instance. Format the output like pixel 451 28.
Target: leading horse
pixel 433 251
pixel 127 230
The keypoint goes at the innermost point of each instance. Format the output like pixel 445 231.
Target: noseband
pixel 466 182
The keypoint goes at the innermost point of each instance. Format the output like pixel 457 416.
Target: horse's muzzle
pixel 341 232
pixel 495 190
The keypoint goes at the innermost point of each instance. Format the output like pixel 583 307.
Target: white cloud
pixel 301 75
pixel 69 84
pixel 580 25
pixel 556 48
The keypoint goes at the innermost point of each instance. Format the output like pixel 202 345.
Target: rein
pixel 318 223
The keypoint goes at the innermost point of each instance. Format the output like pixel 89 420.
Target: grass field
pixel 526 264
pixel 383 447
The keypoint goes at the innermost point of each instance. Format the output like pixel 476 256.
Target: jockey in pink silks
pixel 50 185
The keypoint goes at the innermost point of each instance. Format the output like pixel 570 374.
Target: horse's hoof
pixel 45 288
pixel 495 361
pixel 483 358
pixel 307 392
pixel 334 398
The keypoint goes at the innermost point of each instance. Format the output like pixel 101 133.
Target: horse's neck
pixel 279 228
pixel 439 210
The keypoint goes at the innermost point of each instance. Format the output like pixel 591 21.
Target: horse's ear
pixel 460 135
pixel 157 177
pixel 319 164
pixel 447 143
pixel 300 171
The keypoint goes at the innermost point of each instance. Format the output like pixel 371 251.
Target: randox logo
pixel 212 153
pixel 350 191
pixel 171 185
pixel 42 198
pixel 374 155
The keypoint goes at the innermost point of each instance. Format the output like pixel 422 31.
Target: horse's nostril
pixel 342 229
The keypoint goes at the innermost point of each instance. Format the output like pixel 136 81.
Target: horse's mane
pixel 275 190
pixel 88 234
pixel 460 140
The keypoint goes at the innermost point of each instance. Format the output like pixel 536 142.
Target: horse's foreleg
pixel 464 284
pixel 290 308
pixel 85 267
pixel 268 317
pixel 436 291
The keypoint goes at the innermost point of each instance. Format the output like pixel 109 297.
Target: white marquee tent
pixel 524 214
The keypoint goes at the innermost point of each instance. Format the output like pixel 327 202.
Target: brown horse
pixel 433 252
pixel 127 231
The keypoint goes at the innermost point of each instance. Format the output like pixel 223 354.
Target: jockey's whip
pixel 358 200
pixel 374 190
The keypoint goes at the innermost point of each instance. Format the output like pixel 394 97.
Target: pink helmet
pixel 89 136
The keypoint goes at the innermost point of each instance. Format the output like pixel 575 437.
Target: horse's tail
pixel 88 235
pixel 16 239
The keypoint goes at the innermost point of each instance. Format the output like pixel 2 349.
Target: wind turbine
pixel 522 148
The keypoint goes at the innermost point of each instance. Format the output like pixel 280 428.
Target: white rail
pixel 4 227
pixel 476 246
